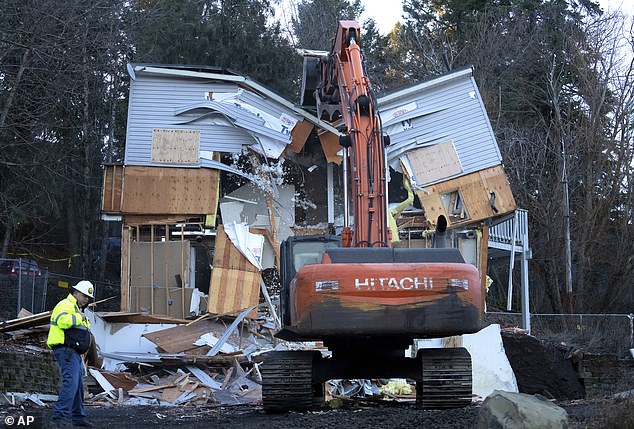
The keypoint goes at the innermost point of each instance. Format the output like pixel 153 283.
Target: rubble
pixel 212 360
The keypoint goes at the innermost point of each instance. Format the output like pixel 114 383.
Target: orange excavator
pixel 365 300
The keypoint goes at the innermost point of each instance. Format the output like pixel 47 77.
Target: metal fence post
pixel 19 303
pixel 44 287
pixel 631 317
pixel 32 289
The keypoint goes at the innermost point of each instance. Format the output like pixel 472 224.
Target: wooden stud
pixel 125 268
pixel 274 235
pixel 183 269
pixel 122 187
pixel 138 244
pixel 151 269
pixel 167 291
pixel 114 175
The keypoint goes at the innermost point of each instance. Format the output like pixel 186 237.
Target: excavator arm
pixel 344 83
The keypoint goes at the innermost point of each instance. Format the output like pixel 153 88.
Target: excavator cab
pixel 295 252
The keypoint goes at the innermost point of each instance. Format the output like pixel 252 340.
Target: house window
pixel 454 206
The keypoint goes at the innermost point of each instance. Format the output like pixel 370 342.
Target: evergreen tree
pixel 317 20
pixel 232 34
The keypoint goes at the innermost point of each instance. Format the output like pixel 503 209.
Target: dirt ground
pixel 582 414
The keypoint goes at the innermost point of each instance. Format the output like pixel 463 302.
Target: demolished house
pixel 187 233
pixel 218 171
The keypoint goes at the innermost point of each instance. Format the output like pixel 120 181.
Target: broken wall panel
pixel 475 190
pixel 299 134
pixel 446 107
pixel 331 147
pixel 164 97
pixel 165 190
pixel 235 282
pixel 112 188
pixel 252 206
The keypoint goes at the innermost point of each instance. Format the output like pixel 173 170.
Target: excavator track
pixel 287 381
pixel 446 378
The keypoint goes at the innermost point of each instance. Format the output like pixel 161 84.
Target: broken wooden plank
pixel 227 379
pixel 123 380
pixel 25 322
pixel 171 394
pixel 151 388
pixel 179 339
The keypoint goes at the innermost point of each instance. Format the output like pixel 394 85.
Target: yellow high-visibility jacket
pixel 65 315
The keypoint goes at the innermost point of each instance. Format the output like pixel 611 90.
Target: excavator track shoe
pixel 446 378
pixel 287 381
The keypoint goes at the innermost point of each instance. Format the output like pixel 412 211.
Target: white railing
pixel 510 233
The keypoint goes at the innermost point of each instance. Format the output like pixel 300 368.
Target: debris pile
pixel 140 359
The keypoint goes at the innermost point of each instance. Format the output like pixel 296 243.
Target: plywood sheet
pixel 330 145
pixel 495 180
pixel 175 146
pixel 475 189
pixel 112 188
pixel 235 282
pixel 434 163
pixel 165 190
pixel 299 134
pixel 233 290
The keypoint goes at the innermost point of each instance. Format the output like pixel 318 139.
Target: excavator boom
pixel 363 141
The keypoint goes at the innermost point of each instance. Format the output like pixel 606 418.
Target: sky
pixel 387 13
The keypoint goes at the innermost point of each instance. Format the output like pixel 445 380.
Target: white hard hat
pixel 85 287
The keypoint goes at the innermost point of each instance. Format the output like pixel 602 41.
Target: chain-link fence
pixel 609 333
pixel 22 285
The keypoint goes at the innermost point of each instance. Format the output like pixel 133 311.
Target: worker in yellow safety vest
pixel 69 338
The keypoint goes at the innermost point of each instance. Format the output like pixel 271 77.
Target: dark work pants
pixel 70 402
